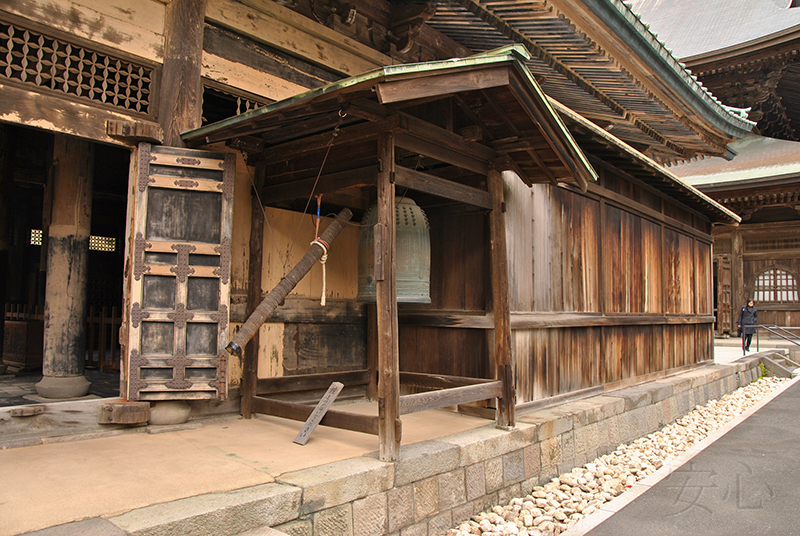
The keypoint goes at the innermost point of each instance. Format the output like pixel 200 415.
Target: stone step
pixel 775 364
pixel 230 513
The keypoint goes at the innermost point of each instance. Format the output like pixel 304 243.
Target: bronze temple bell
pixel 413 254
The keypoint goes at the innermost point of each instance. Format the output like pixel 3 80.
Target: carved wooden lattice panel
pixel 180 281
pixel 45 61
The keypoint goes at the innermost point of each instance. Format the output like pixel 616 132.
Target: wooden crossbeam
pixel 431 184
pixel 438 381
pixel 367 424
pixel 450 397
pixel 329 183
pixel 310 382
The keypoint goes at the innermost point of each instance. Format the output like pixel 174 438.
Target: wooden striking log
pixel 282 289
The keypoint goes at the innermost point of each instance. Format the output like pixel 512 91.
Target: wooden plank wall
pixel 133 27
pixel 459 275
pixel 563 234
pixel 604 289
pixel 301 337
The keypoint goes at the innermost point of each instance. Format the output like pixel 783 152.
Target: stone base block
pixel 63 387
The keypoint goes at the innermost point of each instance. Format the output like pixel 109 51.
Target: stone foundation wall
pixel 439 483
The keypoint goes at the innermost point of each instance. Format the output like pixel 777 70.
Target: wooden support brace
pixel 318 413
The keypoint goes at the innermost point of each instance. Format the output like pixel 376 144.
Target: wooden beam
pixel 431 184
pixel 310 382
pixel 332 182
pixel 254 272
pixel 450 397
pixel 554 135
pixel 386 297
pixel 438 381
pixel 447 319
pixel 504 363
pixel 180 103
pixel 441 85
pixel 427 131
pixel 581 320
pixel 308 311
pixel 367 424
pixel 24 106
pixel 135 131
pixel 318 142
pixel 442 153
pixel 280 27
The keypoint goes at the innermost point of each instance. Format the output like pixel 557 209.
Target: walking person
pixel 748 318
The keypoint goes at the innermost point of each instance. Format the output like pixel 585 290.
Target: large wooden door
pixel 177 321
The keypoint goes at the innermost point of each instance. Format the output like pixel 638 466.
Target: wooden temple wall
pixel 459 282
pixel 604 288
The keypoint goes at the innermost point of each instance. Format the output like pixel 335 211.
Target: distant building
pixel 748 54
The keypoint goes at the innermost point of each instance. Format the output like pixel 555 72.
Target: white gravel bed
pixel 551 509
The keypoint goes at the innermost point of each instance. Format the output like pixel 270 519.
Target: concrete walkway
pixel 741 480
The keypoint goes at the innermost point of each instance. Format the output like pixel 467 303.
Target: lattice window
pixel 776 286
pixel 96 243
pixel 219 105
pixel 768 245
pixel 102 243
pixel 51 63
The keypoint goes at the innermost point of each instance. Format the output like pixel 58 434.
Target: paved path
pixel 745 482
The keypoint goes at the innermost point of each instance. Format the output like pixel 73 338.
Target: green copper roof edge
pixel 505 54
pixel 627 26
pixel 643 158
pixel 560 123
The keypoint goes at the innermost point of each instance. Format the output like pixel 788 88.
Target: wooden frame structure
pixel 376 148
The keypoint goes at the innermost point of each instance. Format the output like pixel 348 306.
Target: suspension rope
pixel 335 133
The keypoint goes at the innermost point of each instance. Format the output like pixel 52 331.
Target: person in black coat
pixel 748 318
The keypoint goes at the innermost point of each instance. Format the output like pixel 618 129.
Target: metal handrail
pixel 777 330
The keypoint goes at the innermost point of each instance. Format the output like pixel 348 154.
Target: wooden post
pixel 180 103
pixel 67 266
pixel 506 414
pixel 738 284
pixel 255 268
pixel 389 424
pixel 372 351
pixel 5 225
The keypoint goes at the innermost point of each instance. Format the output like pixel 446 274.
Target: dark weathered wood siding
pixel 607 286
pixel 459 276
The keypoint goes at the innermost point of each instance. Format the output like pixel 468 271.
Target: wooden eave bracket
pixel 135 131
pixel 407 21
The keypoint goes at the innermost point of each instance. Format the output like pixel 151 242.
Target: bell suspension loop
pixel 324 258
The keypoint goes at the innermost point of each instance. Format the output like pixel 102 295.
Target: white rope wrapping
pixel 322 261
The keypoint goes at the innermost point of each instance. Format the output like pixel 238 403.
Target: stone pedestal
pixel 169 412
pixel 63 387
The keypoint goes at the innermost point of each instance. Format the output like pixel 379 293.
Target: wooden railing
pixel 102 332
pixel 102 338
pixel 23 312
